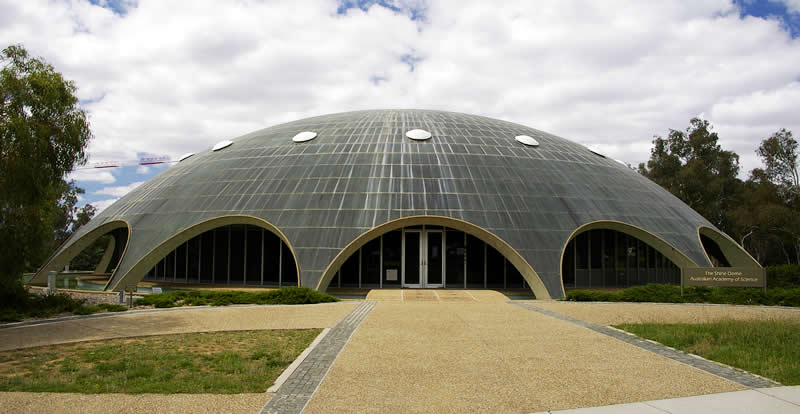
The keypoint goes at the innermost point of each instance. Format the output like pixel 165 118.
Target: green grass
pixel 691 294
pixel 220 363
pixel 282 296
pixel 766 348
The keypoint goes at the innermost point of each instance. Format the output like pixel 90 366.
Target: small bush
pixel 691 294
pixel 87 310
pixel 110 307
pixel 10 315
pixel 282 296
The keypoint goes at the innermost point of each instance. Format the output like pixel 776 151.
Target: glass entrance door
pixel 412 259
pixel 434 262
pixel 423 259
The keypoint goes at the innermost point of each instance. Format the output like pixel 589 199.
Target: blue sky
pixel 160 79
pixel 790 20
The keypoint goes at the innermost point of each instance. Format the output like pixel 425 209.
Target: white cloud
pixel 172 77
pixel 119 191
pixel 102 204
pixel 792 5
pixel 142 169
pixel 103 176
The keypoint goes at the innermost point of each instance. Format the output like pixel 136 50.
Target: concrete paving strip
pixel 489 357
pixel 738 376
pixel 781 400
pixel 301 385
pixel 300 358
pixel 186 321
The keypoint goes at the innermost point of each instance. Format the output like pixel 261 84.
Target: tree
pixel 43 135
pixel 771 206
pixel 765 223
pixel 779 154
pixel 691 165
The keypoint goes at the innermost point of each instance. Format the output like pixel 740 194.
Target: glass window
pixel 370 263
pixel 288 267
pixel 237 254
pixel 455 254
pixel 392 250
pixel 582 250
pixel 495 268
pixel 349 271
pixel 475 262
pixel 596 249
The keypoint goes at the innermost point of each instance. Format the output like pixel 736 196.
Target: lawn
pixel 766 348
pixel 220 363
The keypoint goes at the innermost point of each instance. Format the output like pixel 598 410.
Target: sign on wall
pixel 725 276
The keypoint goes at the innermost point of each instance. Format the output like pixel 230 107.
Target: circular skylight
pixel 185 156
pixel 304 136
pixel 527 140
pixel 222 144
pixel 418 134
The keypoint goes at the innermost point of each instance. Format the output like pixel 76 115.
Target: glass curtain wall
pixel 468 262
pixel 237 254
pixel 609 258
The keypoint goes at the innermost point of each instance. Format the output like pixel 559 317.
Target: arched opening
pixel 117 231
pixel 430 252
pixel 609 258
pixel 722 251
pixel 235 254
pixel 610 254
pixel 714 252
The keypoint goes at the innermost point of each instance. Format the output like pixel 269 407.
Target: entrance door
pixel 423 259
pixel 434 262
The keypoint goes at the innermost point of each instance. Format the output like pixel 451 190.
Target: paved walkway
pixel 438 351
pixel 781 400
pixel 295 393
pixel 731 374
pixel 428 355
pixel 178 320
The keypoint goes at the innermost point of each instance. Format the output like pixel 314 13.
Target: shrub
pixel 783 276
pixel 284 296
pixel 691 294
pixel 651 293
pixel 110 307
pixel 87 310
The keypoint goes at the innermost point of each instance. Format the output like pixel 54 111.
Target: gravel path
pixel 618 313
pixel 31 402
pixel 482 357
pixel 182 320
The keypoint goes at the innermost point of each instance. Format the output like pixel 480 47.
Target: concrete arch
pixel 102 267
pixel 736 255
pixel 661 245
pixel 60 260
pixel 527 271
pixel 138 271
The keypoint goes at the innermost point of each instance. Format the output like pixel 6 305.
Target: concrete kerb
pixel 729 373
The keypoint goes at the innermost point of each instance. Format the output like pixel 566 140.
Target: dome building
pixel 401 199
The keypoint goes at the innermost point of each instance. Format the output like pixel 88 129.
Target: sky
pixel 164 78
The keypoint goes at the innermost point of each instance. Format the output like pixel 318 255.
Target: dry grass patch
pixel 220 363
